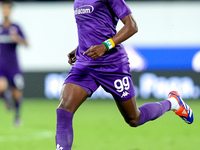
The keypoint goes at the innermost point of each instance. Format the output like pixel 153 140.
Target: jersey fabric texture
pixel 9 66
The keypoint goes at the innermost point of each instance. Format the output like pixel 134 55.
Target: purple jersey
pixel 96 22
pixel 8 56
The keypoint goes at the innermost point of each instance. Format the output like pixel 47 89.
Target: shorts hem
pixel 124 99
pixel 86 89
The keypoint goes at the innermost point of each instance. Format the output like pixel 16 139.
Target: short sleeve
pixel 21 33
pixel 120 8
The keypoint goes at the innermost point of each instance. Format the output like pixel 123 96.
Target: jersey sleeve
pixel 20 32
pixel 120 8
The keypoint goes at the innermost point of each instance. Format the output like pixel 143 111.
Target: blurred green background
pixel 98 125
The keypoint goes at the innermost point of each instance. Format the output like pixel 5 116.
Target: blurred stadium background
pixel 164 55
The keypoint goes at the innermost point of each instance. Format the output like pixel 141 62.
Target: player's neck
pixel 6 22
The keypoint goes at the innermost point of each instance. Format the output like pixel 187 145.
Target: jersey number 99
pixel 120 85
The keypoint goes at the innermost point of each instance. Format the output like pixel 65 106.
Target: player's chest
pixel 5 35
pixel 8 31
pixel 4 31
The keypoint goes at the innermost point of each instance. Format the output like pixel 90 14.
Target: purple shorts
pixel 114 79
pixel 14 76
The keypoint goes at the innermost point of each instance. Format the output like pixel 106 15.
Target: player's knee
pixel 65 103
pixel 3 84
pixel 17 94
pixel 133 123
pixel 2 89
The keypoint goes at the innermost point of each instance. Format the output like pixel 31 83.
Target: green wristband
pixel 104 43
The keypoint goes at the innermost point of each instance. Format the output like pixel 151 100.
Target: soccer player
pixel 10 74
pixel 100 60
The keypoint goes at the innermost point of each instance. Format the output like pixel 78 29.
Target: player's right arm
pixel 18 39
pixel 72 57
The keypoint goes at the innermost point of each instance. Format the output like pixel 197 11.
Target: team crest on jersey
pixel 85 9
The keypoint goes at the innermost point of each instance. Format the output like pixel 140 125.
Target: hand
pixel 96 51
pixel 72 57
pixel 15 38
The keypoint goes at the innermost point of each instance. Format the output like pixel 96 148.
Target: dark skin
pixel 73 96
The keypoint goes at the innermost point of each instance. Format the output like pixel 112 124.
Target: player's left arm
pixel 129 28
pixel 17 36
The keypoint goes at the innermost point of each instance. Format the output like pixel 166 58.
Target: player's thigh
pixel 122 90
pixel 72 96
pixel 3 84
pixel 129 110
